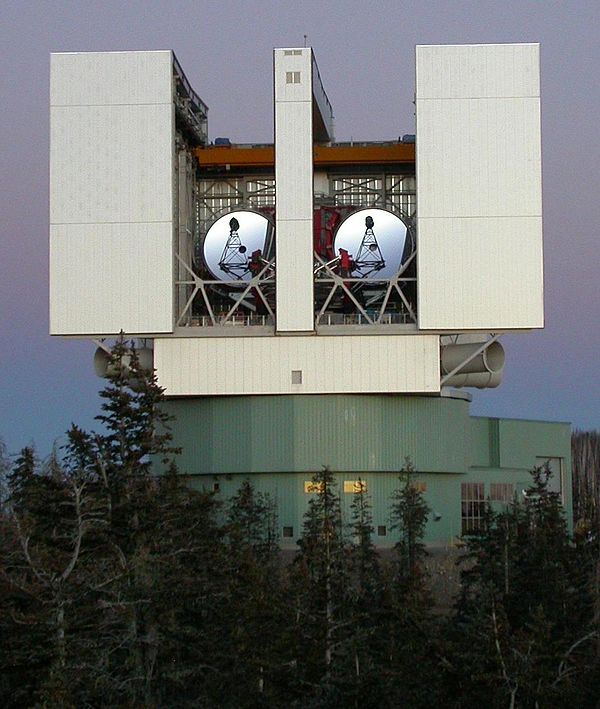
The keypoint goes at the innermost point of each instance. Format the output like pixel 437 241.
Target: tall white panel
pixel 479 201
pixel 105 278
pixel 111 193
pixel 111 164
pixel 301 365
pixel 294 189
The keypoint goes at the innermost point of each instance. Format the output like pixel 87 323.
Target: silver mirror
pixel 231 242
pixel 372 241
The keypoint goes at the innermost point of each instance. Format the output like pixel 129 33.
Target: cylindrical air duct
pixel 490 360
pixel 483 371
pixel 479 380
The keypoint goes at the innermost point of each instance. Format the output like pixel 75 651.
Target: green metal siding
pixel 442 495
pixel 522 441
pixel 280 441
pixel 302 433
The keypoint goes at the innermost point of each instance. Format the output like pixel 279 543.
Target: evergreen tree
pixel 411 669
pixel 409 513
pixel 523 620
pixel 320 583
pixel 4 472
pixel 368 627
pixel 253 609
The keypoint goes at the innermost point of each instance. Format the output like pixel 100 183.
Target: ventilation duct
pixel 482 371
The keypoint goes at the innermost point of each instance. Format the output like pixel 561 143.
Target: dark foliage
pixel 123 586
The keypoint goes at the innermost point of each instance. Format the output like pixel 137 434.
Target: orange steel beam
pixel 324 155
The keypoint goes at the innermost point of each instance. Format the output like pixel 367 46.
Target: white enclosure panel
pixel 294 275
pixel 105 278
pixel 264 365
pixel 111 78
pixel 478 71
pixel 479 157
pixel 481 273
pixel 111 164
pixel 293 159
pixel 479 187
pixel 294 189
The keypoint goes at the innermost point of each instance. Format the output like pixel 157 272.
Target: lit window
pixel 311 487
pixel 501 492
pixel 288 532
pixel 419 486
pixel 473 506
pixel 354 486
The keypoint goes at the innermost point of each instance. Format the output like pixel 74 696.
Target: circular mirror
pixel 230 243
pixel 375 239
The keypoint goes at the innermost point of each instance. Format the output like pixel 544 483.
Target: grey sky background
pixel 365 54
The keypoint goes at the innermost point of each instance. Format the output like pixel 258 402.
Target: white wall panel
pixel 111 164
pixel 295 307
pixel 294 189
pixel 478 70
pixel 482 281
pixel 479 187
pixel 294 159
pixel 110 78
pixel 111 193
pixel 264 365
pixel 105 278
pixel 479 158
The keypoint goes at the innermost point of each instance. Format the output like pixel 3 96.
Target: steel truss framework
pixel 203 300
pixel 346 300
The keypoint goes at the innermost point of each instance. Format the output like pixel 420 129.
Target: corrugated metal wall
pixel 264 365
pixel 302 433
pixel 279 442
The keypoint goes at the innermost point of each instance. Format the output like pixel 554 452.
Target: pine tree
pixel 368 626
pixel 523 619
pixel 253 609
pixel 411 671
pixel 320 586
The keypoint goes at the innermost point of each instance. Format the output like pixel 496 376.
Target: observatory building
pixel 310 302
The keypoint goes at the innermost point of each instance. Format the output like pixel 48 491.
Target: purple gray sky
pixel 365 54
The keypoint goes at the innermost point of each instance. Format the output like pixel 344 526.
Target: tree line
pixel 123 588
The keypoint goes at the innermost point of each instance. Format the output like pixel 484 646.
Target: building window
pixel 216 487
pixel 355 486
pixel 501 492
pixel 296 376
pixel 292 77
pixel 288 532
pixel 419 486
pixel 292 52
pixel 381 530
pixel 473 506
pixel 312 488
